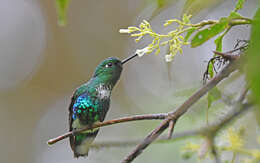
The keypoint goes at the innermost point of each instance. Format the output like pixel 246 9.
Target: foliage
pixel 253 69
pixel 62 6
pixel 195 6
pixel 204 31
pixel 234 142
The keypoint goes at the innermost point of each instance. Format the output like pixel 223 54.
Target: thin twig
pixel 215 154
pixel 243 95
pixel 232 66
pixel 220 61
pixel 106 123
pixel 228 56
pixel 171 126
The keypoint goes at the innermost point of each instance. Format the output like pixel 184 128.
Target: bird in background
pixel 90 103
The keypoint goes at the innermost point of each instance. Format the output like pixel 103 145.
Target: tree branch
pixel 110 122
pixel 202 131
pixel 174 115
pixel 163 139
pixel 171 127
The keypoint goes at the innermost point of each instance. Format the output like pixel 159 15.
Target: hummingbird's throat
pixel 104 91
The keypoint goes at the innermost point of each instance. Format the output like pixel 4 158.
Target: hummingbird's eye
pixel 109 65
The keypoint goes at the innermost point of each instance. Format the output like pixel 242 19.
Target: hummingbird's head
pixel 109 70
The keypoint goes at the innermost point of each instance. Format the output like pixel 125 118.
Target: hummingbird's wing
pixel 70 122
pixel 85 110
pixel 76 93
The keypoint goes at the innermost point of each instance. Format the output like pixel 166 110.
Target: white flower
pixel 125 31
pixel 141 52
pixel 168 58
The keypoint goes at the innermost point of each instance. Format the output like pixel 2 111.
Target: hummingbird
pixel 90 103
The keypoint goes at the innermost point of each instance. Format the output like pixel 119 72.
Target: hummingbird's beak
pixel 128 59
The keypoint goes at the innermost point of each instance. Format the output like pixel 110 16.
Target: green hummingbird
pixel 90 103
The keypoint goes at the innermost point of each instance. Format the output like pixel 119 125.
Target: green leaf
pixel 218 43
pixel 239 4
pixel 210 70
pixel 253 66
pixel 257 116
pixel 161 3
pixel 186 18
pixel 187 155
pixel 193 7
pixel 189 33
pixel 210 99
pixel 62 6
pixel 206 34
pixel 213 95
pixel 234 15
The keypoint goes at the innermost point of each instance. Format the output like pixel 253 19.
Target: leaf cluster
pixel 230 141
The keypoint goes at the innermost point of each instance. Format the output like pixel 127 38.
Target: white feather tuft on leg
pixel 83 148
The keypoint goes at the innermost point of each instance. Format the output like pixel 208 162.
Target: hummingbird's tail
pixel 81 143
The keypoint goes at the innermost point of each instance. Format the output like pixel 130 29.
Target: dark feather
pixel 72 138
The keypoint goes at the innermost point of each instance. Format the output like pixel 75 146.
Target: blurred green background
pixel 42 63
